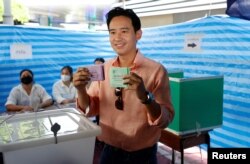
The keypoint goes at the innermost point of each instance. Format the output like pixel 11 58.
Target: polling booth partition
pixel 198 104
pixel 176 73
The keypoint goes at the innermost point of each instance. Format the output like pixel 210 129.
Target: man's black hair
pixel 28 70
pixel 99 59
pixel 118 11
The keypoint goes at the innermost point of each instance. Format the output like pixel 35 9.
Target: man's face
pixel 122 36
pixel 26 77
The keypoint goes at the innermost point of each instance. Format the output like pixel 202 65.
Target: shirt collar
pixel 137 61
pixel 63 85
pixel 21 87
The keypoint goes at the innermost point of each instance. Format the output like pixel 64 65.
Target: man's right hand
pixel 81 78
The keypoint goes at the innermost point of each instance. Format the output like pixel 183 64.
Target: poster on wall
pixel 20 51
pixel 193 42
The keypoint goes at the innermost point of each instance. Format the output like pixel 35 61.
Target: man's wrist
pixel 149 98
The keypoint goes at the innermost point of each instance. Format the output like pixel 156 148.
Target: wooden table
pixel 180 142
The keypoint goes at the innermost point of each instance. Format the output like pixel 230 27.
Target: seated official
pixel 27 96
pixel 63 90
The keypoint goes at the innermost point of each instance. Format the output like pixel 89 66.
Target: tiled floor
pixel 193 155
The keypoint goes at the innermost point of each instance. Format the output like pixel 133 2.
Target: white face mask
pixel 65 78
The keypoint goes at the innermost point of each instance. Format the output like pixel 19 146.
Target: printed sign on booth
pixel 193 42
pixel 20 51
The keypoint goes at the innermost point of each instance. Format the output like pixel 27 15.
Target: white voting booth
pixel 26 138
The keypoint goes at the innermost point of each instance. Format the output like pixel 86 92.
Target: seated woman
pixel 63 90
pixel 27 96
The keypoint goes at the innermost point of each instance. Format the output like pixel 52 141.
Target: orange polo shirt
pixel 131 129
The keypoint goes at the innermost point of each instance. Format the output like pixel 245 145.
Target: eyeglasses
pixel 118 101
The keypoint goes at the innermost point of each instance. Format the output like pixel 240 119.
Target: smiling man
pixel 131 118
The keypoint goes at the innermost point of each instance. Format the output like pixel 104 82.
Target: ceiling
pixel 92 11
pixel 161 7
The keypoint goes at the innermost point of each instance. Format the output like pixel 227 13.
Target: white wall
pixel 161 20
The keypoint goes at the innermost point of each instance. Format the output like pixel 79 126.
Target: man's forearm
pixel 83 100
pixel 46 103
pixel 11 107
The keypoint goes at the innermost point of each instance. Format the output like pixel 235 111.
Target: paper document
pixel 97 72
pixel 116 75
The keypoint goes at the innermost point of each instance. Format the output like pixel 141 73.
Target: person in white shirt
pixel 63 90
pixel 27 96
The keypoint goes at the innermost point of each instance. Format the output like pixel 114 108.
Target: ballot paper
pixel 116 76
pixel 97 72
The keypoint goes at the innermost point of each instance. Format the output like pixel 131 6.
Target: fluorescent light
pixel 182 10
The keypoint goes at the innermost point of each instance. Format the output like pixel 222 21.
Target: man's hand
pixel 81 78
pixel 67 101
pixel 135 82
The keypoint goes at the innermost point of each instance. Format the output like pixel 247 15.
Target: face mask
pixel 65 78
pixel 26 79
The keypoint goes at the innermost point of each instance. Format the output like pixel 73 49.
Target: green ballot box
pixel 198 103
pixel 176 73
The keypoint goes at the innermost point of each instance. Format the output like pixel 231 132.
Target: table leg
pixel 208 144
pixel 182 153
pixel 173 156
